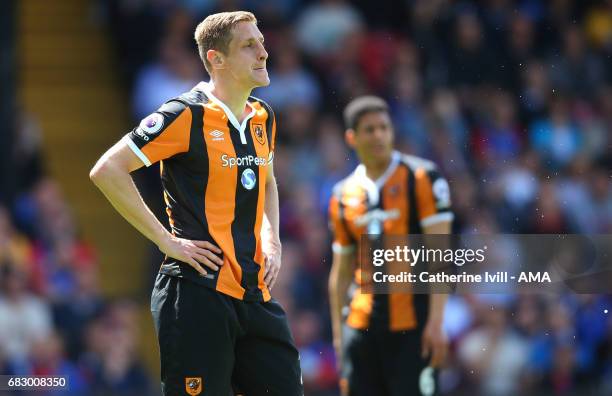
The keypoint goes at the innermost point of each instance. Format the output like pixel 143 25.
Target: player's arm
pixel 111 174
pixel 341 273
pixel 435 342
pixel 433 199
pixel 340 278
pixel 270 233
pixel 437 301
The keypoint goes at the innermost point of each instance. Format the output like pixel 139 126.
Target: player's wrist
pixel 164 241
pixel 273 246
pixel 434 321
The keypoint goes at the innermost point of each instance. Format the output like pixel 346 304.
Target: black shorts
pixel 212 344
pixel 385 363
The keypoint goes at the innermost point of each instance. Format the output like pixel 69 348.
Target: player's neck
pixel 233 97
pixel 375 169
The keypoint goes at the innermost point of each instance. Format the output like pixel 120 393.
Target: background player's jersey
pixel 213 172
pixel 409 195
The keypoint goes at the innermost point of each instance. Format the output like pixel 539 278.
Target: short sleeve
pixel 343 242
pixel 162 134
pixel 433 197
pixel 270 128
pixel 272 132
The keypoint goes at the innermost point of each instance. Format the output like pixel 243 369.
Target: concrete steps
pixel 68 80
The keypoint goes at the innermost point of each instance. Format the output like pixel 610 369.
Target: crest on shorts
pixel 193 385
pixel 258 131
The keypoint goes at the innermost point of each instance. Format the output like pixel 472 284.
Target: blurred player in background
pixel 387 344
pixel 215 319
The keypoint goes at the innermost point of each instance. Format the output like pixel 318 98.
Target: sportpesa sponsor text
pixel 247 160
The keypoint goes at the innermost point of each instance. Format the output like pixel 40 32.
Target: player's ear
pixel 215 58
pixel 349 137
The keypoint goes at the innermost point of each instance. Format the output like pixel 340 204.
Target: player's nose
pixel 263 54
pixel 380 132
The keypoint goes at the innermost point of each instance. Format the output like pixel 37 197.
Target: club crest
pixel 193 385
pixel 258 132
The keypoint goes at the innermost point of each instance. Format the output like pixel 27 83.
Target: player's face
pixel 246 58
pixel 373 137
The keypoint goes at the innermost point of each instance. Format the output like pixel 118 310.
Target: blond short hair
pixel 215 32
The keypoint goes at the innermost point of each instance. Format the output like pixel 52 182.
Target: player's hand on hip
pixel 434 344
pixel 195 253
pixel 272 266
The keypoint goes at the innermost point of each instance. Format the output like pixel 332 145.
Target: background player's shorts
pixel 385 363
pixel 210 342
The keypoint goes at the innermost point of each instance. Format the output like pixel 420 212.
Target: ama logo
pixel 248 179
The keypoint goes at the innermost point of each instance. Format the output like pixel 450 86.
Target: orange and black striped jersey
pixel 213 172
pixel 409 195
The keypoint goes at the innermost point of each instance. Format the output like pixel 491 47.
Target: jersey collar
pixel 373 186
pixel 207 88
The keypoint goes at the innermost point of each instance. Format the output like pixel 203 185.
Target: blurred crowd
pixel 53 319
pixel 512 99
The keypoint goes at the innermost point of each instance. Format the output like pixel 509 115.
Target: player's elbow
pixel 100 172
pixel 115 164
pixel 95 174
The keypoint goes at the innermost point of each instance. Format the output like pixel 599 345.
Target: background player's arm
pixel 270 233
pixel 340 278
pixel 434 206
pixel 111 175
pixel 435 342
pixel 341 273
pixel 437 301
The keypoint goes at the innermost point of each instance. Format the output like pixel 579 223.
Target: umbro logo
pixel 216 135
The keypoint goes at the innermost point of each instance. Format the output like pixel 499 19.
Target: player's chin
pixel 381 154
pixel 380 149
pixel 262 83
pixel 261 79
